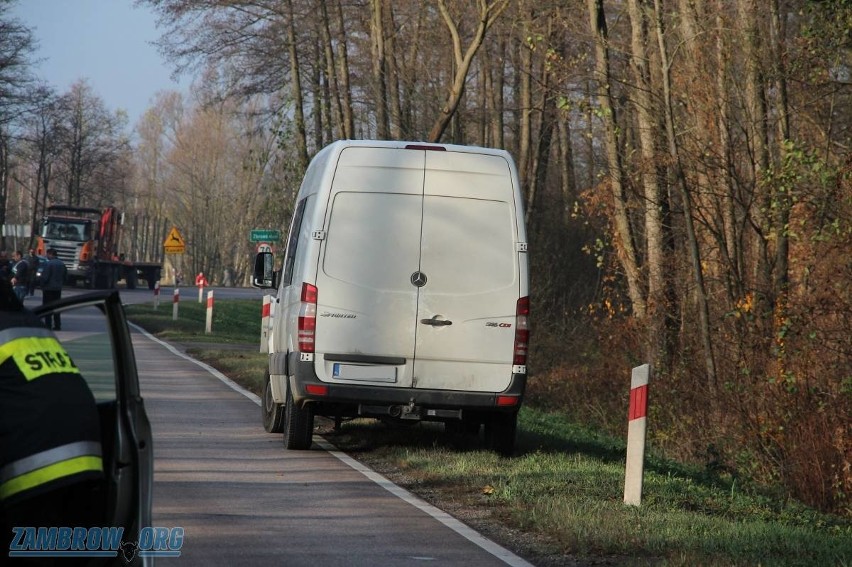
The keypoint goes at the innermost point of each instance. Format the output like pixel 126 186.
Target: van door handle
pixel 435 322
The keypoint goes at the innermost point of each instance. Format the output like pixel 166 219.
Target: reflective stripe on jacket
pixel 48 466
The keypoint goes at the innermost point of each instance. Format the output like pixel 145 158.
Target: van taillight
pixel 506 401
pixel 308 318
pixel 522 331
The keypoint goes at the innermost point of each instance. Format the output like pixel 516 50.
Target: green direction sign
pixel 265 235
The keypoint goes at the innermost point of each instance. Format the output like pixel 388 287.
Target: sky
pixel 107 42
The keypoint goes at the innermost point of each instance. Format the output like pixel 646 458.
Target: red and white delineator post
pixel 156 294
pixel 201 283
pixel 636 428
pixel 266 314
pixel 208 326
pixel 175 302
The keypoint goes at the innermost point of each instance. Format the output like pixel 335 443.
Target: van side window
pixel 292 243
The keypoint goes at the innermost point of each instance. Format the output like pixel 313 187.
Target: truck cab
pixel 87 240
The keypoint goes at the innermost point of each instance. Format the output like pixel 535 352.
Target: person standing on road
pixel 51 463
pixel 52 280
pixel 20 276
pixel 5 266
pixel 32 263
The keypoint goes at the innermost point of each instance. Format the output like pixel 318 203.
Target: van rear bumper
pixel 340 396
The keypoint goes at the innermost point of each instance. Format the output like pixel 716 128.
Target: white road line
pixel 460 528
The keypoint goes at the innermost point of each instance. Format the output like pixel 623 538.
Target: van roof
pixel 414 145
pixel 322 167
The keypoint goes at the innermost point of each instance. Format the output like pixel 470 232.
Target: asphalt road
pixel 242 499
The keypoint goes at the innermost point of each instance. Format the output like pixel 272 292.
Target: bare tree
pixel 645 92
pixel 623 232
pixel 488 14
pixel 91 141
pixel 16 48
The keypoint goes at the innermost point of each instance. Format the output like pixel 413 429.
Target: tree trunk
pixel 757 132
pixel 783 200
pixel 654 195
pixel 733 248
pixel 567 176
pixel 498 83
pixel 393 88
pixel 377 37
pixel 343 75
pixel 623 237
pixel 680 177
pixel 296 92
pixel 524 104
pixel 331 73
pixel 317 99
pixel 4 181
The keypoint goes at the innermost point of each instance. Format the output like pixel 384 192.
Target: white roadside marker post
pixel 636 428
pixel 175 301
pixel 156 294
pixel 265 312
pixel 208 327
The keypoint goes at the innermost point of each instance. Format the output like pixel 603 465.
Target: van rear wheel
pixel 273 413
pixel 298 424
pixel 500 431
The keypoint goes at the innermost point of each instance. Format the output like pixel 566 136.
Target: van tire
pixel 298 424
pixel 500 431
pixel 273 413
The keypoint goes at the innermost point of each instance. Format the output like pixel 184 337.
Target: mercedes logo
pixel 418 279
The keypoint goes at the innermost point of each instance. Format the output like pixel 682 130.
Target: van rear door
pixel 366 302
pixel 470 274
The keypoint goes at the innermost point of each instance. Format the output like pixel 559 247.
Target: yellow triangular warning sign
pixel 174 238
pixel 174 243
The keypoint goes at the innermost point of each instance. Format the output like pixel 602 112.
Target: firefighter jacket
pixel 49 427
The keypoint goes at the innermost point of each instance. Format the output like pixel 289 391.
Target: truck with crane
pixel 87 240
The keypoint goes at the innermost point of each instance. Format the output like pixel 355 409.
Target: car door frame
pixel 131 472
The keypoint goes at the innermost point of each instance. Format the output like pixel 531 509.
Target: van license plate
pixel 365 372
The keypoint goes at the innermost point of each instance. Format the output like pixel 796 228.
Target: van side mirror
pixel 264 275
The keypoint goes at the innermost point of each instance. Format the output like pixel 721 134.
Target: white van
pixel 403 293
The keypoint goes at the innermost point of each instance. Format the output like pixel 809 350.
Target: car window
pixel 292 243
pixel 87 341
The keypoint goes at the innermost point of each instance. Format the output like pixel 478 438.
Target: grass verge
pixel 558 501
